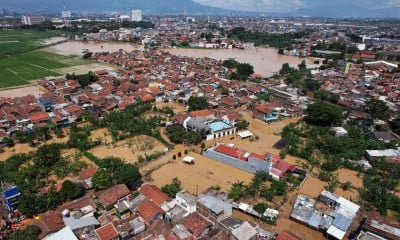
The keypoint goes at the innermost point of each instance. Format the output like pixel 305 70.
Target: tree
pixel 31 232
pixel 323 114
pixel 243 124
pixel 197 103
pixel 312 84
pixel 302 65
pixel 224 91
pixel 395 125
pixel 378 109
pixel 260 208
pixel 102 180
pixel 127 174
pixel 285 69
pixel 237 191
pixel 70 191
pixel 173 188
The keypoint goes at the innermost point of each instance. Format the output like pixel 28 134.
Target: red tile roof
pixel 107 232
pixel 196 224
pixel 231 151
pixel 264 108
pixel 40 116
pixel 200 113
pixel 112 194
pixel 148 210
pixel 154 194
pixel 87 173
pixel 50 222
pixel 286 235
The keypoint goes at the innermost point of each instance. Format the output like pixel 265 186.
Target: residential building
pixel 32 20
pixel 187 201
pixel 213 208
pixel 11 196
pixel 111 195
pixel 107 232
pixel 136 15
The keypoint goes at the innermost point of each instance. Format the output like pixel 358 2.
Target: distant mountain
pixel 348 12
pixel 154 6
pixel 346 9
pixel 312 8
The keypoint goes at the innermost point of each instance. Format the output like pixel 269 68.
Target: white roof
pixel 336 232
pixel 244 232
pixel 384 153
pixel 65 233
pixel 347 206
pixel 245 134
pixel 188 159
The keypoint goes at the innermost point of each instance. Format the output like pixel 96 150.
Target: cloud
pixel 255 5
pixel 292 5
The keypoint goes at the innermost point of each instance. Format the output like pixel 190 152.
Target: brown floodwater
pixel 77 47
pixel 266 61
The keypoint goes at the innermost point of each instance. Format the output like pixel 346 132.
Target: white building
pixel 32 20
pixel 187 201
pixel 136 15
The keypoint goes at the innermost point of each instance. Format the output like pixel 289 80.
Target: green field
pixel 17 41
pixel 20 69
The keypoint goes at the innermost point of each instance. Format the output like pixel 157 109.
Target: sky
pixel 292 5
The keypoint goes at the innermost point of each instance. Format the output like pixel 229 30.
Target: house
pixel 154 194
pixel 265 112
pixel 387 153
pixel 77 223
pixel 86 176
pixel 187 201
pixel 107 232
pixel 339 131
pixel 245 232
pixel 379 227
pixel 111 195
pixel 335 222
pixel 150 211
pixel 65 233
pixel 213 208
pixel 50 223
pixel 11 196
pixel 197 224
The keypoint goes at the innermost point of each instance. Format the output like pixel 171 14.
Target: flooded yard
pixel 197 177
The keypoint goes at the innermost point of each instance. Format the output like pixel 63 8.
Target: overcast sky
pixel 291 5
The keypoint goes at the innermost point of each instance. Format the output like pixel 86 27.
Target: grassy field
pixel 16 41
pixel 20 69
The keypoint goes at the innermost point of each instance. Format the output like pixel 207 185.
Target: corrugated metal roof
pixel 79 223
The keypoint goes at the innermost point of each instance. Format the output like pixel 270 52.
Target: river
pixel 266 61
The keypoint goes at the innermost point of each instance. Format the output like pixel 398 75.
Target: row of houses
pixel 151 214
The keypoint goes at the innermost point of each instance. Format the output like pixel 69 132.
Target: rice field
pixel 20 69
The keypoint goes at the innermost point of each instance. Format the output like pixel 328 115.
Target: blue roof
pixel 45 101
pixel 315 220
pixel 218 126
pixel 12 192
pixel 342 222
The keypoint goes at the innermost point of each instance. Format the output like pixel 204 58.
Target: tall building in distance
pixel 32 20
pixel 136 15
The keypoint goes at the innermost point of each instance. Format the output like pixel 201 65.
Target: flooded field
pixel 266 61
pixel 23 91
pixel 128 149
pixel 198 177
pixel 77 47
